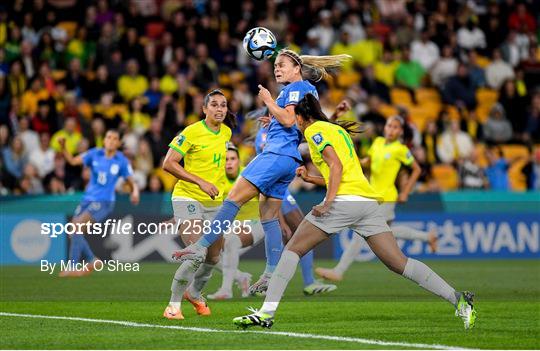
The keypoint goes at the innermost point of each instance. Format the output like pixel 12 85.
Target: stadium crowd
pixel 465 74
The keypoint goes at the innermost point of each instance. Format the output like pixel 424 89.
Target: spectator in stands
pixel 343 46
pixel 471 36
pixel 533 120
pixel 522 18
pixel 454 144
pixel 16 79
pixel 459 90
pixel 155 185
pixel 409 73
pixel 374 87
pixel 424 51
pixel 14 160
pixel 168 84
pixel 30 98
pixel 205 69
pixel 498 71
pixel 153 95
pixel 515 48
pixel 29 137
pixel 471 175
pixel 70 134
pixel 353 26
pixel 132 84
pixel 29 63
pixel 476 73
pixel 425 182
pixel 311 47
pixel 444 68
pixel 102 84
pixel 130 46
pixel 157 141
pixel 79 47
pixel 30 183
pixel 405 33
pixel 325 31
pixel 430 139
pixel 97 133
pixel 497 170
pixel 373 115
pixel 385 70
pixel 136 118
pixel 151 67
pixel 75 79
pixel 515 107
pixel 144 162
pixel 497 129
pixel 368 51
pixel 224 54
pixel 5 100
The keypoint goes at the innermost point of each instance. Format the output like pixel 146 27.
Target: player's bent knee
pixel 212 259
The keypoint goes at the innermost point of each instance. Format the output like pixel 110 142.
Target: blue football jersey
pixel 279 139
pixel 104 174
pixel 260 140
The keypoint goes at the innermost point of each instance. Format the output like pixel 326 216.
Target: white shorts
pixel 185 208
pixel 389 211
pixel 360 214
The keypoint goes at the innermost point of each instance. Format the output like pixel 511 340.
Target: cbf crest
pixel 317 138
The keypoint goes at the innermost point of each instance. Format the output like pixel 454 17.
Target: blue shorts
pixel 99 210
pixel 289 203
pixel 271 173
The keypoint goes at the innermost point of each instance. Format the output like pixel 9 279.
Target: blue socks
pixel 273 243
pixel 79 247
pixel 306 263
pixel 228 212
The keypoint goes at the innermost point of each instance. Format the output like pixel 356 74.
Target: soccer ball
pixel 260 43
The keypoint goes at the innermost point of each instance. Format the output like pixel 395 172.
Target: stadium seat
pixel 428 96
pixel 387 110
pixel 400 97
pixel 69 26
pixel 347 79
pixel 154 30
pixel 513 152
pixel 486 97
pixel 446 176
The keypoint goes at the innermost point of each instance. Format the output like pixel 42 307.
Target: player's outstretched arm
pixel 285 116
pixel 171 164
pixel 407 188
pixel 72 160
pixel 303 173
pixel 134 194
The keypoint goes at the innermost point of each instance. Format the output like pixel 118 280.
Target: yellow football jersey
pixel 353 182
pixel 250 210
pixel 386 160
pixel 204 154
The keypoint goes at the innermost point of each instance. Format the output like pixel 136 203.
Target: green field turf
pixel 371 303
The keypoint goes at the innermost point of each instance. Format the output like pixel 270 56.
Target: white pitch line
pixel 209 330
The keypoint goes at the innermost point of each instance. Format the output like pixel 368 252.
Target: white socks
pixel 350 253
pixel 182 277
pixel 200 279
pixel 280 279
pixel 429 280
pixel 408 233
pixel 230 258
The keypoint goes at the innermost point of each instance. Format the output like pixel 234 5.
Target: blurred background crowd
pixel 465 74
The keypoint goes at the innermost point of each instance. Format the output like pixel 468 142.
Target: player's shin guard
pixel 429 280
pixel 280 279
pixel 220 223
pixel 200 279
pixel 306 262
pixel 273 243
pixel 182 277
pixel 230 258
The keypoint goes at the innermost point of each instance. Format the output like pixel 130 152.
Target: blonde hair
pixel 316 67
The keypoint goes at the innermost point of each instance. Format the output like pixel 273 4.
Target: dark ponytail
pixel 310 108
pixel 230 118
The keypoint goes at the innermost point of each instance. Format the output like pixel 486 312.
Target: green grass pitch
pixel 371 303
